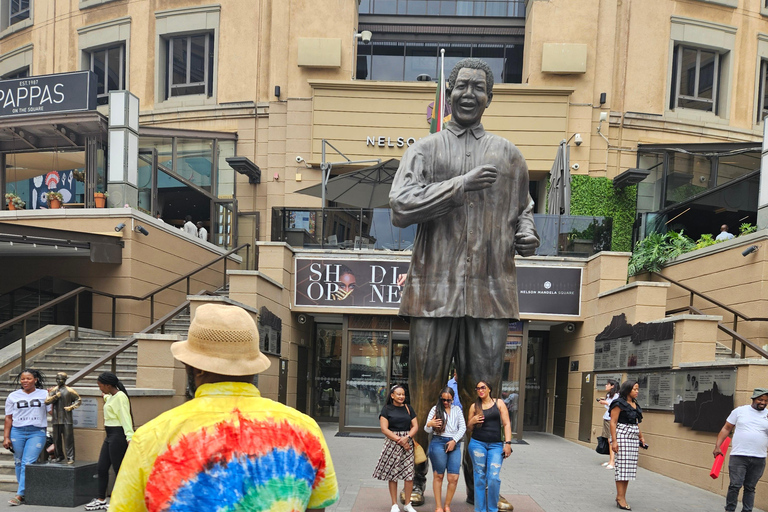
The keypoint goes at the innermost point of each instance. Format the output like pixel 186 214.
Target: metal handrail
pixel 735 336
pixel 82 289
pixel 128 343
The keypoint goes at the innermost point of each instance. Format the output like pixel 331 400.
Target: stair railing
pixel 730 331
pixel 128 343
pixel 85 289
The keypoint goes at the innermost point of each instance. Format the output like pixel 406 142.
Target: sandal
pixel 16 501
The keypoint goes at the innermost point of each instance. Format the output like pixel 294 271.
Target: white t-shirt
pixel 190 228
pixel 28 409
pixel 607 415
pixel 202 233
pixel 750 437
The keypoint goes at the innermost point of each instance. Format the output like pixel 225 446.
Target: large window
pixel 190 65
pixel 499 8
pixel 109 66
pixel 696 78
pixel 15 15
pixel 762 96
pixel 406 61
pixel 19 73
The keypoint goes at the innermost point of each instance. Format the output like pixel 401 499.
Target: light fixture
pixel 423 78
pixel 120 226
pixel 244 166
pixel 141 229
pixel 365 36
pixel 749 250
pixel 630 177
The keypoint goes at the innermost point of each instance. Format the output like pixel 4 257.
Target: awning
pixel 19 240
pixel 50 131
pixel 366 188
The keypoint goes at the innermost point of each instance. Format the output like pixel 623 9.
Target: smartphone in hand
pixel 643 446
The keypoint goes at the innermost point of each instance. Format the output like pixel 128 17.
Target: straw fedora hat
pixel 222 339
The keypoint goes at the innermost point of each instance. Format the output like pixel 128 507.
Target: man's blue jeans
pixel 486 462
pixel 27 442
pixel 744 471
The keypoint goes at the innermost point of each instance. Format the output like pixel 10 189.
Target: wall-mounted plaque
pixel 624 346
pixel 87 415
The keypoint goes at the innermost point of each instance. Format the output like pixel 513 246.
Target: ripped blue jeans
pixel 27 443
pixel 486 462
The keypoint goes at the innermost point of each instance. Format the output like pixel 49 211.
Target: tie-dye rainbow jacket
pixel 226 450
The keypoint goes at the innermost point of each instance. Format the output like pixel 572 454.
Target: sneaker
pixel 395 508
pixel 97 504
pixel 408 507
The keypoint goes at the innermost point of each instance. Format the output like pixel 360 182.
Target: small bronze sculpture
pixel 468 192
pixel 64 400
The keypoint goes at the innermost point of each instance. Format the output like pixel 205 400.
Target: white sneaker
pixel 395 508
pixel 409 508
pixel 604 464
pixel 97 504
pixel 608 467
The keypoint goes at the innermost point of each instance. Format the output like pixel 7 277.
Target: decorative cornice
pixel 104 24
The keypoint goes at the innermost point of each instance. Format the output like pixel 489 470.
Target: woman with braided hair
pixel 118 423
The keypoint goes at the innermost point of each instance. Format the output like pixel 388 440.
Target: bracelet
pixel 507 442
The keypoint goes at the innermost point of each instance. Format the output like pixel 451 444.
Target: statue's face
pixel 469 97
pixel 61 380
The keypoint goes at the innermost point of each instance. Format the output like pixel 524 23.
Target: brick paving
pixel 548 474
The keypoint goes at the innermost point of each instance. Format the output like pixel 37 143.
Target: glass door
pixel 327 371
pixel 399 366
pixel 366 386
pixel 535 381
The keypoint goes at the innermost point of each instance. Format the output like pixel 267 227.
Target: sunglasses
pixel 480 388
pixel 446 399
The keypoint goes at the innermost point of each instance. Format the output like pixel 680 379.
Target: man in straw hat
pixel 228 448
pixel 748 450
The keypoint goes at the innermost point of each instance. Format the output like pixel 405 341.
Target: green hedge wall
pixel 597 197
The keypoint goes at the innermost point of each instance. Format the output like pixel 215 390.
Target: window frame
pixel 8 27
pixel 679 48
pixel 762 105
pixel 20 12
pixel 121 79
pixel 16 60
pixel 207 65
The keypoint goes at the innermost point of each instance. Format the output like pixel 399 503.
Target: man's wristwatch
pixel 507 442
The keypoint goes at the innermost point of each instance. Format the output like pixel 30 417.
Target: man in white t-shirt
pixel 201 231
pixel 748 449
pixel 189 226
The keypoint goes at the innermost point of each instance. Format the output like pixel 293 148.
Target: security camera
pixel 299 159
pixel 365 36
pixel 575 167
pixel 577 139
pixel 142 230
pixel 120 226
pixel 569 327
pixel 302 319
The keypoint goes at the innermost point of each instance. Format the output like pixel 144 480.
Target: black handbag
pixel 602 446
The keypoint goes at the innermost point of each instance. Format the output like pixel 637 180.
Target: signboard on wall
pixel 376 283
pixel 624 346
pixel 86 416
pixel 45 94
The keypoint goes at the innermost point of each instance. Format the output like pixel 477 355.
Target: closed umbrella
pixel 559 198
pixel 365 188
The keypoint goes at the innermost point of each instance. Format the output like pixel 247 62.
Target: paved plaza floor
pixel 547 474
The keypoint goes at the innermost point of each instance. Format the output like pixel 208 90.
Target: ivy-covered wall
pixel 597 197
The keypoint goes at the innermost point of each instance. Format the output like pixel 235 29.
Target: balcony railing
pixel 363 228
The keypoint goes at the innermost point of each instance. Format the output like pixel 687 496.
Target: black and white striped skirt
pixel 627 436
pixel 395 462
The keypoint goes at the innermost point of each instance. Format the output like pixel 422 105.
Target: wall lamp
pixel 120 227
pixel 142 230
pixel 749 250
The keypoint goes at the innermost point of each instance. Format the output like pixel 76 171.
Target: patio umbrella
pixel 365 188
pixel 559 198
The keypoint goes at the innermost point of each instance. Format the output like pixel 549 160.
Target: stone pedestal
pixel 61 485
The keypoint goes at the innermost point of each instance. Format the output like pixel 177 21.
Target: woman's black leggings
pixel 112 453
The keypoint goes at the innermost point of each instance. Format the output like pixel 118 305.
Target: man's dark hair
pixel 472 63
pixel 188 218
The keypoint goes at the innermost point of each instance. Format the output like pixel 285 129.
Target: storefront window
pixel 366 386
pixel 510 384
pixel 195 161
pixel 225 182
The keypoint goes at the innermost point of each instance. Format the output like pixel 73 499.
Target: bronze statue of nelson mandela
pixel 468 192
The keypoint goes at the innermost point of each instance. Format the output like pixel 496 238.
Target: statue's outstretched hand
pixel 526 244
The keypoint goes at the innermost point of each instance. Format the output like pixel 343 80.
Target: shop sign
pixel 44 94
pixel 357 283
pixel 547 290
pixel 389 142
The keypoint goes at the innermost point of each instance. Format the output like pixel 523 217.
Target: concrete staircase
pixel 71 356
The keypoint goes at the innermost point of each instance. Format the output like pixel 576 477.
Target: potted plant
pixel 100 198
pixel 54 200
pixel 14 201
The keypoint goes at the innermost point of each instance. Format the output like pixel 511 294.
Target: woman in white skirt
pixel 399 425
pixel 626 416
pixel 611 394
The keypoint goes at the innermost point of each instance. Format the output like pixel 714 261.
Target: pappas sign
pixel 349 283
pixel 63 92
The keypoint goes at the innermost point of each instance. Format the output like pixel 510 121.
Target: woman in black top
pixel 626 415
pixel 486 417
pixel 399 425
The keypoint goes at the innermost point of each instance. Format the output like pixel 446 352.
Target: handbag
pixel 602 446
pixel 419 456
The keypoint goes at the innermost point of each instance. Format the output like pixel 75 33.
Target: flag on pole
pixel 438 111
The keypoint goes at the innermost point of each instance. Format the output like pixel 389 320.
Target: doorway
pixel 561 396
pixel 535 406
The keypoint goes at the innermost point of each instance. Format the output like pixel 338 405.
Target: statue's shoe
pixel 504 504
pixel 417 497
